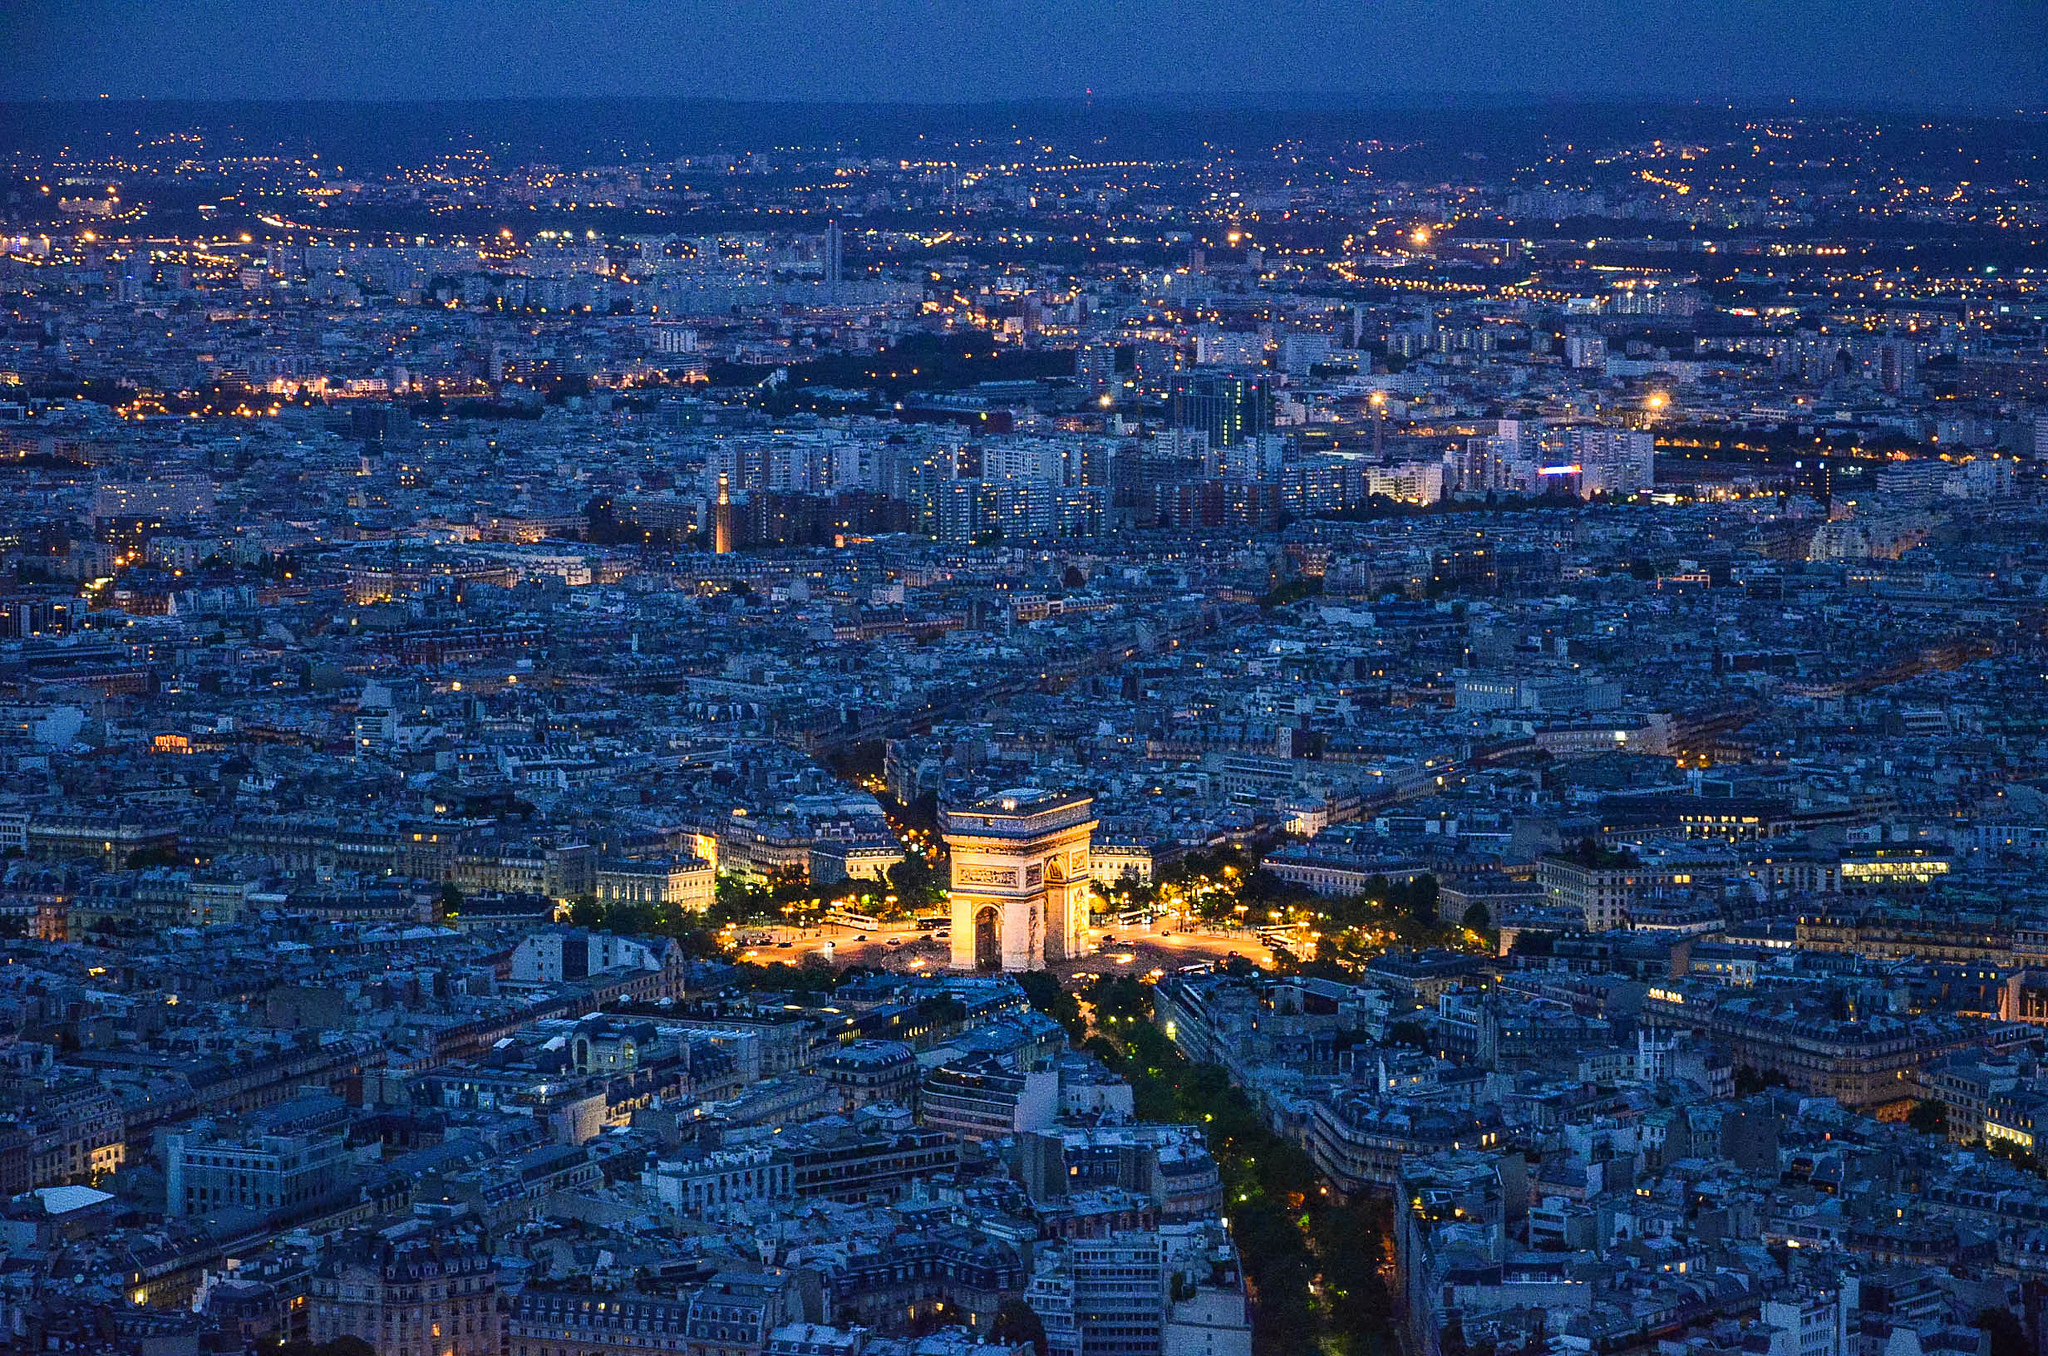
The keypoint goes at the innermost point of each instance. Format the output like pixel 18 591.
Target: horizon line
pixel 1270 100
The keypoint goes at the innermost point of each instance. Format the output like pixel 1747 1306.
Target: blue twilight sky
pixel 1982 52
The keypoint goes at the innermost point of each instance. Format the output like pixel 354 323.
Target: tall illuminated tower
pixel 1020 877
pixel 721 518
pixel 835 259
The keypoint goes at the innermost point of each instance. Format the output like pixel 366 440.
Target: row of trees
pixel 1387 914
pixel 785 899
pixel 1310 1260
pixel 1227 886
pixel 1224 887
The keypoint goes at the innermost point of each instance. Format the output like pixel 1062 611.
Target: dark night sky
pixel 1981 52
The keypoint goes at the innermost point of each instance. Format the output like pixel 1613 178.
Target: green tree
pixel 788 885
pixel 1121 997
pixel 1412 1034
pixel 698 942
pixel 782 977
pixel 1749 1082
pixel 1289 1232
pixel 1929 1117
pixel 2006 1149
pixel 918 888
pixel 736 899
pixel 1350 1244
pixel 1416 898
pixel 1045 993
pixel 629 919
pixel 1291 591
pixel 1017 1321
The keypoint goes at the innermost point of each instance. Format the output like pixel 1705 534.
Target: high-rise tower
pixel 721 517
pixel 1230 409
pixel 835 259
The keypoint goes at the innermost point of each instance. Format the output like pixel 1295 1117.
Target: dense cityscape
pixel 1069 729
